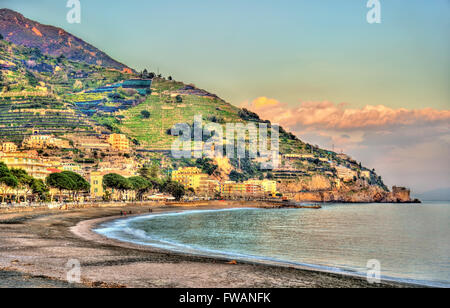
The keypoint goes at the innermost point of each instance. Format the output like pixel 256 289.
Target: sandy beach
pixel 35 247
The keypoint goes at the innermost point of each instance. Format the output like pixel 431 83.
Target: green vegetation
pixel 47 93
pixel 140 185
pixel 68 181
pixel 145 114
pixel 7 177
pixel 116 181
pixel 176 189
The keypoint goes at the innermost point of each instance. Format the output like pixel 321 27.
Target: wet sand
pixel 36 246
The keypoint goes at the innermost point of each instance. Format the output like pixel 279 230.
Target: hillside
pixel 79 100
pixel 51 41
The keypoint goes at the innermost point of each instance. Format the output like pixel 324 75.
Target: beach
pixel 35 247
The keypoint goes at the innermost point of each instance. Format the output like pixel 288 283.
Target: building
pixel 96 181
pixel 91 143
pixel 247 190
pixel 189 177
pixel 208 188
pixel 346 174
pixel 119 142
pixel 98 191
pixel 45 141
pixel 28 161
pixel 8 147
pixel 298 156
pixel 366 174
pixel 401 194
pixel 268 186
pixel 71 167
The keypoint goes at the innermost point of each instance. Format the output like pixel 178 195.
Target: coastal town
pixel 201 148
pixel 128 178
pixel 79 133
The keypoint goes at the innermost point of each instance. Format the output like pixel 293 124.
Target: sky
pixel 379 92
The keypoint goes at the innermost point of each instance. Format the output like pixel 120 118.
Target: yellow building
pixel 28 161
pixel 346 174
pixel 366 174
pixel 98 191
pixel 45 141
pixel 71 167
pixel 119 142
pixel 96 181
pixel 208 188
pixel 8 147
pixel 246 190
pixel 267 186
pixel 189 177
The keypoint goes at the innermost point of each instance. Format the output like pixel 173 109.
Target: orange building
pixel 8 147
pixel 119 142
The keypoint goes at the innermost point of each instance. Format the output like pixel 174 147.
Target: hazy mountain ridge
pixel 51 40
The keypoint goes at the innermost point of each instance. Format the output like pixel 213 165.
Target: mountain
pixel 52 41
pixel 442 194
pixel 76 100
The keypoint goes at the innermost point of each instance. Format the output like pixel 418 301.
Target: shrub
pixel 145 114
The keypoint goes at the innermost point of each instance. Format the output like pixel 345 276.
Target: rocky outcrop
pixel 371 194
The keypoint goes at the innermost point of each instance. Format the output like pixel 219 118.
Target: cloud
pixel 406 146
pixel 340 117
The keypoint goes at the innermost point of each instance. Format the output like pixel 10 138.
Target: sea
pixel 402 242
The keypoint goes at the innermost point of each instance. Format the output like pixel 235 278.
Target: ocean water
pixel 411 242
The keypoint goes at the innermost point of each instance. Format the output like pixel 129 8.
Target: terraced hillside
pixel 59 96
pixel 165 112
pixel 19 116
pixel 38 92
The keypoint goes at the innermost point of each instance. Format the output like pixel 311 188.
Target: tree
pixel 145 172
pixel 145 114
pixel 179 99
pixel 150 173
pixel 237 176
pixel 140 185
pixel 7 179
pixel 117 182
pixel 24 180
pixel 175 189
pixel 61 182
pixel 61 58
pixel 80 184
pixel 40 189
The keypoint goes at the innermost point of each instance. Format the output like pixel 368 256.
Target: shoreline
pixel 40 244
pixel 85 229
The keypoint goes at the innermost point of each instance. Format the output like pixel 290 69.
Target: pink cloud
pixel 339 116
pixel 407 146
